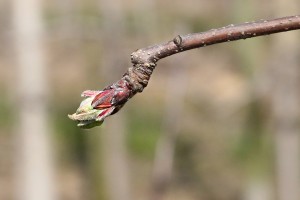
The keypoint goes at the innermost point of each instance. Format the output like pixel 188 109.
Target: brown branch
pixel 100 104
pixel 214 36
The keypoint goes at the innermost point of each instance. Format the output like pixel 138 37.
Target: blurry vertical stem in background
pixel 34 162
pixel 258 184
pixel 116 164
pixel 285 97
pixel 165 150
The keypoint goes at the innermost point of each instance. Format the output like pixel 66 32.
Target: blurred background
pixel 216 123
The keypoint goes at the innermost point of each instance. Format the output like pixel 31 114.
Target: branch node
pixel 178 41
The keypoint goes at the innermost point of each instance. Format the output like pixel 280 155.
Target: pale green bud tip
pixel 86 115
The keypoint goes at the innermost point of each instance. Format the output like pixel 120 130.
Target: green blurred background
pixel 215 123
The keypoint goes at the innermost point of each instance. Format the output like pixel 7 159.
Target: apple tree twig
pixel 100 104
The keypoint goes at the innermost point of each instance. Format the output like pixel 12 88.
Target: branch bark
pixel 150 55
pixel 144 60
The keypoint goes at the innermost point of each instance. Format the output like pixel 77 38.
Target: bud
pixel 100 104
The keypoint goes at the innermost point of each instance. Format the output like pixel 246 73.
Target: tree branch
pixel 100 104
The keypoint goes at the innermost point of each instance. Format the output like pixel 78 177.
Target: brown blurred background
pixel 216 123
